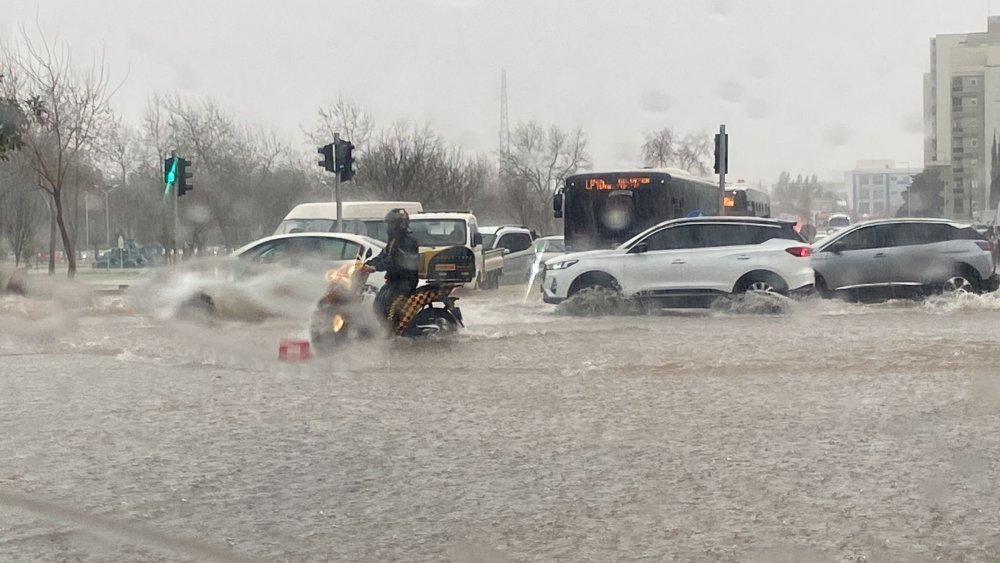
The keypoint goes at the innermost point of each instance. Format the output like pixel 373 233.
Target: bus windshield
pixel 603 210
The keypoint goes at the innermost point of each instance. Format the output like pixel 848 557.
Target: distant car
pixel 518 256
pixel 838 221
pixel 689 262
pixel 904 256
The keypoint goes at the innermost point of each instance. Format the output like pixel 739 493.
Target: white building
pixel 875 187
pixel 962 115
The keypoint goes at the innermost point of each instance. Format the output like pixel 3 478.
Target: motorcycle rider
pixel 401 263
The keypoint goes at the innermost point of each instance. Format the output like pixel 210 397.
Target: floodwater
pixel 825 431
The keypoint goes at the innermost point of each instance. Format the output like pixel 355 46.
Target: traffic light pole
pixel 336 191
pixel 723 158
pixel 173 154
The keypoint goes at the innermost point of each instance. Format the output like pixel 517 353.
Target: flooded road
pixel 829 432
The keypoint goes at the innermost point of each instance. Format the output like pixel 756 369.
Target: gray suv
pixel 896 257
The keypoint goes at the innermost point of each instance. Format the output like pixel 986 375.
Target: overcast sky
pixel 803 85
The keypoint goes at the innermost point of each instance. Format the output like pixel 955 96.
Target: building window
pixel 973 81
pixel 973 101
pixel 974 142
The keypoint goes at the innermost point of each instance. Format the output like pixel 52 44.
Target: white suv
pixel 689 260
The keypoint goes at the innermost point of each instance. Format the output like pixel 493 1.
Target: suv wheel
pixel 761 282
pixel 957 284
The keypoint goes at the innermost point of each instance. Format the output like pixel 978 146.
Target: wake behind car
pixel 280 275
pixel 904 256
pixel 689 261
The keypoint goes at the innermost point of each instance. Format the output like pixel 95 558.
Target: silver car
pixel 900 256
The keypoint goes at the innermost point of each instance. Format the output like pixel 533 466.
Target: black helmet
pixel 398 221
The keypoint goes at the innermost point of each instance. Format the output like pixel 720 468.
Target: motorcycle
pixel 347 310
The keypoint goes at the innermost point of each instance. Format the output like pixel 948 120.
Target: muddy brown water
pixel 828 432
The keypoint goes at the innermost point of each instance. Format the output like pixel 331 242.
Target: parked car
pixel 904 256
pixel 689 261
pixel 518 254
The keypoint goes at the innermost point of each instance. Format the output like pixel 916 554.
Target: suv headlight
pixel 561 265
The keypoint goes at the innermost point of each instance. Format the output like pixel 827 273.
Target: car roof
pixel 903 220
pixel 552 237
pixel 351 209
pixel 730 219
pixel 493 229
pixel 359 239
pixel 440 215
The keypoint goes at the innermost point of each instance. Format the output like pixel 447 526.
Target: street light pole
pixel 86 219
pixel 107 218
pixel 107 213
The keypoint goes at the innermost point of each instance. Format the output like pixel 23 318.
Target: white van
pixel 360 217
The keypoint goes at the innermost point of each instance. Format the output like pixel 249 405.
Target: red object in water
pixel 293 349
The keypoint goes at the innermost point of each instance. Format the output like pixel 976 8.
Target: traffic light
pixel 345 159
pixel 328 162
pixel 721 153
pixel 183 175
pixel 169 174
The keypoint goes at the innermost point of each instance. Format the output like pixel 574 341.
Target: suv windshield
pixel 438 232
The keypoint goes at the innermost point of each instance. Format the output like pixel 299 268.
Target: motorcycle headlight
pixel 561 265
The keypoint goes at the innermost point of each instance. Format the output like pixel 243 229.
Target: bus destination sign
pixel 619 183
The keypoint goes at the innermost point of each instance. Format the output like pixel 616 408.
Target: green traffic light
pixel 171 175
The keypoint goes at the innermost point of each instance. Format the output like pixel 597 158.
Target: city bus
pixel 605 209
pixel 745 201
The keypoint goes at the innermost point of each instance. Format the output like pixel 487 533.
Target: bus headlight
pixel 561 265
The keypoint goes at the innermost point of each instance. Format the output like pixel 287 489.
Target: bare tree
pixel 659 148
pixel 409 162
pixel 245 179
pixel 693 152
pixel 538 162
pixel 347 118
pixel 68 108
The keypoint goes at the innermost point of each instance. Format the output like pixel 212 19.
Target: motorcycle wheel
pixel 432 321
pixel 322 336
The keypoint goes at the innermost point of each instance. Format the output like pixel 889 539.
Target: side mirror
pixel 477 239
pixel 506 251
pixel 640 248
